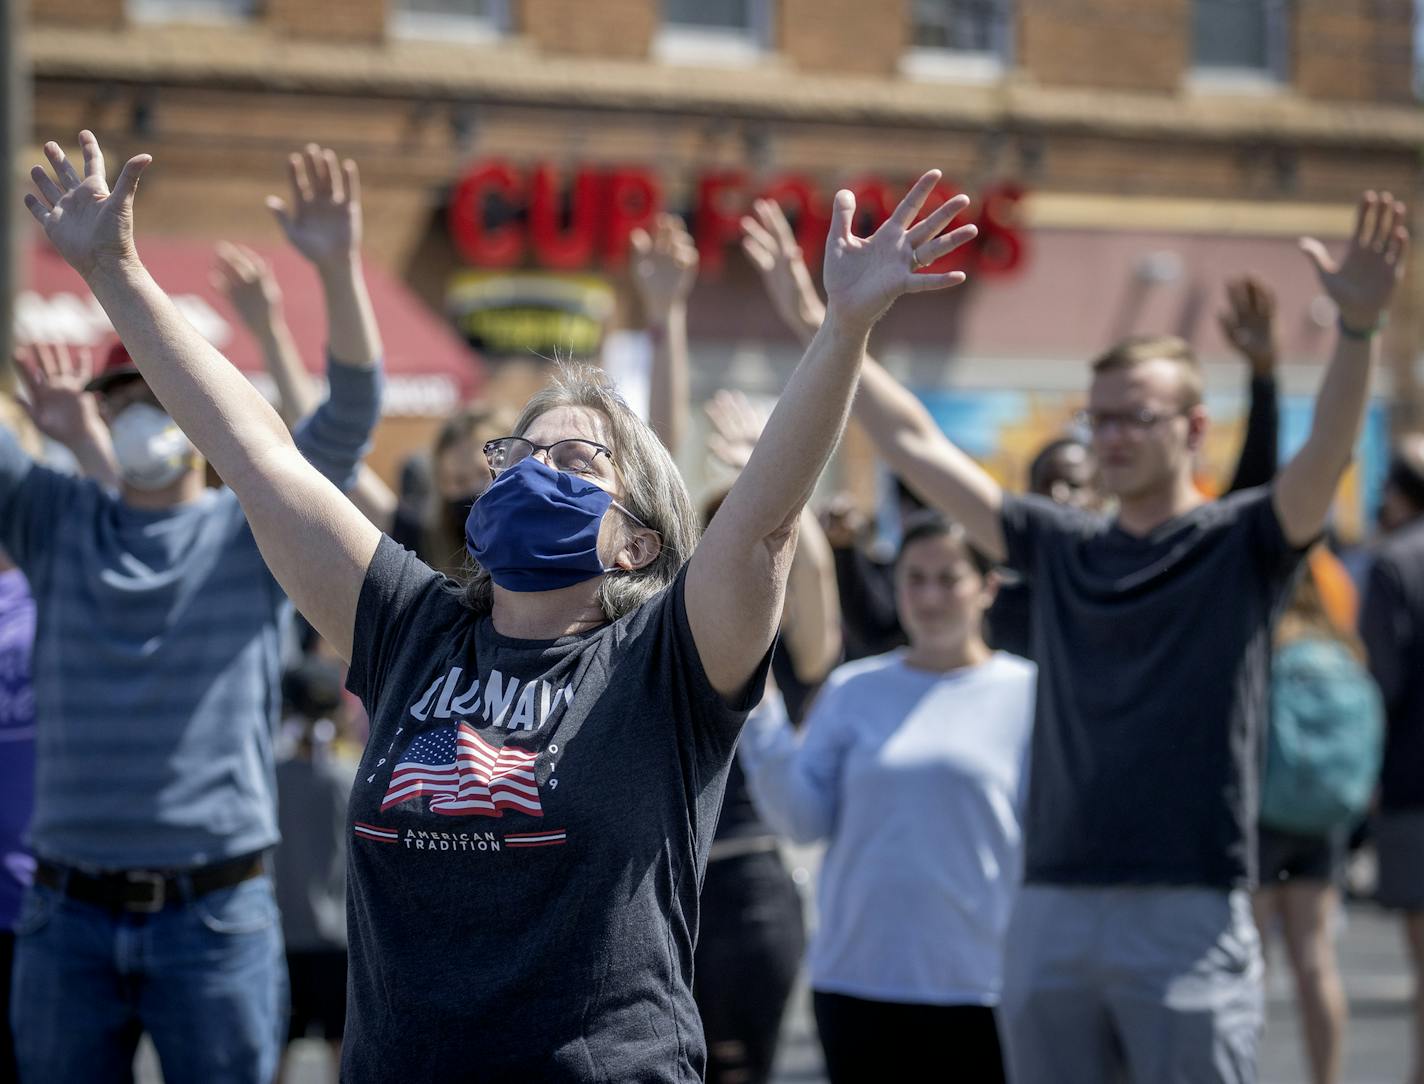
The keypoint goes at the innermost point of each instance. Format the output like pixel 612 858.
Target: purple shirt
pixel 17 740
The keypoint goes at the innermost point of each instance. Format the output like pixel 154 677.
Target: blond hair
pixel 1140 349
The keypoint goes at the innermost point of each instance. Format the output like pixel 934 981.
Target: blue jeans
pixel 205 977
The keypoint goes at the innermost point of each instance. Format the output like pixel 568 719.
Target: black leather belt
pixel 146 891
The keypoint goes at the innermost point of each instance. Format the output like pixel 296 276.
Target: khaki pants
pixel 1132 986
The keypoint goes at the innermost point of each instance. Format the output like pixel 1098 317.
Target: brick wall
pixel 621 29
pixel 1353 50
pixel 849 36
pixel 331 20
pixel 88 13
pixel 1141 45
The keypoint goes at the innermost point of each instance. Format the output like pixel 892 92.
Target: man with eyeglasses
pixel 1132 953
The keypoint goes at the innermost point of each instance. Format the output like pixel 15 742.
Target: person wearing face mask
pixel 157 675
pixel 912 767
pixel 532 815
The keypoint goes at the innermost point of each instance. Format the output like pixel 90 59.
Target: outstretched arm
pixel 737 577
pixel 249 284
pixel 902 430
pixel 811 621
pixel 1250 326
pixel 1361 285
pixel 316 544
pixel 664 270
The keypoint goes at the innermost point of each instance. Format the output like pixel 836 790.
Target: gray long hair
pixel 653 491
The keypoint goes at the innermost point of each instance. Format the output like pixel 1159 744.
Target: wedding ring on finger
pixel 915 263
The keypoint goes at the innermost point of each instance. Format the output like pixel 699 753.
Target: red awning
pixel 430 370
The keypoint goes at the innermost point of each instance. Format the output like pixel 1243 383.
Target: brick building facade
pixel 1160 145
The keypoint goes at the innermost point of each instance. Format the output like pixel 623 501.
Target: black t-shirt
pixel 1008 625
pixel 530 826
pixel 1392 626
pixel 1153 675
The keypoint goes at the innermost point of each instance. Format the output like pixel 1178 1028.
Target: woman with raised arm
pixel 532 814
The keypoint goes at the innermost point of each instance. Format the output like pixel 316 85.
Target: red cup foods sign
pixel 502 215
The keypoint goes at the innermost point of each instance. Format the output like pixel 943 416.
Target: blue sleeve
pixel 33 499
pixel 796 784
pixel 338 434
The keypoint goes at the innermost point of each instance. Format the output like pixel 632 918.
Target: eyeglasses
pixel 573 456
pixel 1131 421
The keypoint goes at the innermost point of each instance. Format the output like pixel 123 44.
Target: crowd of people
pixel 490 776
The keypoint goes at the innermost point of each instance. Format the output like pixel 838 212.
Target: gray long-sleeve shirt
pixel 157 655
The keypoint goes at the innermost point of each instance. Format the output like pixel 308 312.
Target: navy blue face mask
pixel 536 528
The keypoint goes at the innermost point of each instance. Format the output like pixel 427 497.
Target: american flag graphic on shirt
pixel 465 775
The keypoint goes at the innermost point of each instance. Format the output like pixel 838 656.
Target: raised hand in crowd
pixel 1361 283
pixel 771 246
pixel 736 427
pixel 248 282
pixel 322 218
pixel 1249 323
pixel 664 267
pixel 57 401
pixel 246 442
pixel 732 583
pixel 664 271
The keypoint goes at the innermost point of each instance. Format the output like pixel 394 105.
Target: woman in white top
pixel 911 766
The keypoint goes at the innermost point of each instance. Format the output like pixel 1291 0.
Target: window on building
pixel 457 20
pixel 959 38
pixel 714 31
pixel 162 11
pixel 1241 37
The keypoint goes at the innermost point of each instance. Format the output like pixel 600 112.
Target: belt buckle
pixel 156 883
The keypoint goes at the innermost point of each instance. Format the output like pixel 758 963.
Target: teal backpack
pixel 1325 741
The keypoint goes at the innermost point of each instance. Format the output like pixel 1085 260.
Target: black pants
pixel 871 1041
pixel 748 952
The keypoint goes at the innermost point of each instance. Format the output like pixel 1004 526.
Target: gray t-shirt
pixel 530 826
pixel 1154 670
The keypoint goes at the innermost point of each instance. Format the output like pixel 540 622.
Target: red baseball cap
pixel 117 365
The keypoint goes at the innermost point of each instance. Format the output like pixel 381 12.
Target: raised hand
pixel 1364 279
pixel 323 219
pixel 736 427
pixel 664 266
pixel 248 283
pixel 1249 324
pixel 55 395
pixel 864 275
pixel 771 246
pixel 90 224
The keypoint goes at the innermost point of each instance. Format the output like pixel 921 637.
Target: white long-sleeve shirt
pixel 916 780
